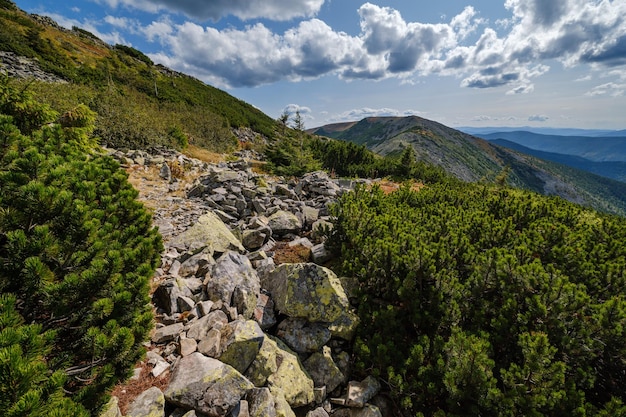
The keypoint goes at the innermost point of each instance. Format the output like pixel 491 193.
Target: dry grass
pixel 129 390
pixel 390 186
pixel 284 254
pixel 193 151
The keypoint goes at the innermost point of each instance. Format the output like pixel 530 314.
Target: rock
pixel 200 327
pixel 284 222
pixel 261 403
pixel 166 296
pixel 210 345
pixel 320 255
pixel 240 343
pixel 323 370
pixel 264 312
pixel 366 411
pixel 197 265
pixel 230 271
pixel 244 301
pixel 167 333
pixel 280 368
pixel 254 239
pixel 187 346
pixel 320 228
pixel 302 336
pixel 241 410
pixel 185 303
pixel 165 172
pixel 206 385
pixel 292 379
pixel 318 412
pixel 150 403
pixel 209 231
pixel 311 215
pixel 111 409
pixel 345 326
pixel 308 291
pixel 360 393
pixel 282 407
pixel 159 368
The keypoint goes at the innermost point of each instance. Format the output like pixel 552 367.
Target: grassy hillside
pixel 473 159
pixel 144 104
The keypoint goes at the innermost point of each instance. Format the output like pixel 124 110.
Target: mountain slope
pixel 611 169
pixel 473 159
pixel 598 149
pixel 124 82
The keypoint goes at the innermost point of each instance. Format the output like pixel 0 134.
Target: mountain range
pixel 472 158
pixel 142 105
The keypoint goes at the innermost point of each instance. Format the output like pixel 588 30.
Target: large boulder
pixel 261 403
pixel 234 271
pixel 209 231
pixel 150 403
pixel 206 385
pixel 240 343
pixel 302 336
pixel 307 290
pixel 323 370
pixel 284 222
pixel 278 367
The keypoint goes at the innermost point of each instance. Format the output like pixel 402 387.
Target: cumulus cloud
pixel 608 89
pixel 293 108
pixel 217 9
pixel 362 113
pixel 538 118
pixel 538 32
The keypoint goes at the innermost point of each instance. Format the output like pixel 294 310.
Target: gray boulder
pixel 206 385
pixel 233 270
pixel 366 411
pixel 323 370
pixel 302 336
pixel 150 403
pixel 307 290
pixel 200 328
pixel 240 343
pixel 261 403
pixel 284 222
pixel 209 231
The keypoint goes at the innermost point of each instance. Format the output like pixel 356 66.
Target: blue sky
pixel 541 63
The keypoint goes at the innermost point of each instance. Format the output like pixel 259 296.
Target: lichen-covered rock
pixel 206 385
pixel 261 403
pixel 282 407
pixel 307 290
pixel 292 379
pixel 240 343
pixel 150 403
pixel 302 336
pixel 323 370
pixel 278 367
pixel 210 231
pixel 345 326
pixel 360 393
pixel 111 409
pixel 233 270
pixel 284 222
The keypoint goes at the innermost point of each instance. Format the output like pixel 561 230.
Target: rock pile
pixel 240 335
pixel 21 67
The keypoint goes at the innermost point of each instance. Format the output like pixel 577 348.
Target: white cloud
pixel 92 26
pixel 608 89
pixel 362 113
pixel 217 9
pixel 538 32
pixel 538 118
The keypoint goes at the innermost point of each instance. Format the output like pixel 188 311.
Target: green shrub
pixel 484 300
pixel 76 247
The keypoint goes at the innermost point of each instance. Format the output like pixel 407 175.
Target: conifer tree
pixel 76 247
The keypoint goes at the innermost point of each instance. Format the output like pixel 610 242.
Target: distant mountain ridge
pixel 471 158
pixel 592 133
pixel 598 149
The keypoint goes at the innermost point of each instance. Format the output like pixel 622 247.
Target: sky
pixel 538 63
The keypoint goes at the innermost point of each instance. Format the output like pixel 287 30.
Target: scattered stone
pixel 211 232
pixel 360 393
pixel 261 403
pixel 323 370
pixel 366 411
pixel 240 343
pixel 284 222
pixel 167 333
pixel 187 346
pixel 302 336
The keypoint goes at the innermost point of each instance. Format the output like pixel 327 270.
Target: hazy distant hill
pixel 474 159
pixel 610 169
pixel 597 149
pixel 593 133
